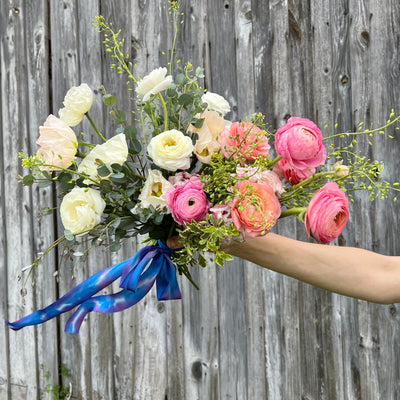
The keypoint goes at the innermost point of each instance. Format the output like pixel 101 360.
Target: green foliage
pixel 55 391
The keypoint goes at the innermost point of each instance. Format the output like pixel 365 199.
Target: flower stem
pixel 165 112
pixel 95 127
pixel 293 211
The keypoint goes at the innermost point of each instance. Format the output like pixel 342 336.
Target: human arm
pixel 345 270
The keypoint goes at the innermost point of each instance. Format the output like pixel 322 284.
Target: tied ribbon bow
pixel 136 281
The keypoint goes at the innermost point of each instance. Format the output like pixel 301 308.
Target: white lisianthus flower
pixel 215 102
pixel 114 151
pixel 153 192
pixel 171 150
pixel 81 209
pixel 208 141
pixel 153 83
pixel 58 144
pixel 77 102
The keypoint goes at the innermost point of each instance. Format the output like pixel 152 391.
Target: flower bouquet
pixel 183 170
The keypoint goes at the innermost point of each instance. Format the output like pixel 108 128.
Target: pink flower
pixel 244 139
pixel 180 178
pixel 293 175
pixel 222 211
pixel 327 213
pixel 299 142
pixel 254 175
pixel 255 209
pixel 187 201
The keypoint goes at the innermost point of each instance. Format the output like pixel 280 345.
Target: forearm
pixel 348 271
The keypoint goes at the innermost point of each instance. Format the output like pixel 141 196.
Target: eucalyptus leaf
pixel 28 180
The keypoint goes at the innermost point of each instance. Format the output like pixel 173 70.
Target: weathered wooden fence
pixel 248 333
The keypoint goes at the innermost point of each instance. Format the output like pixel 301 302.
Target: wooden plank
pixel 4 332
pixel 379 324
pixel 75 351
pixel 18 222
pixel 230 280
pixel 37 50
pixel 101 328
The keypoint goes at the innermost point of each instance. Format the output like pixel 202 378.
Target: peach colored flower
pixel 244 139
pixel 255 209
pixel 327 214
pixel 58 144
pixel 253 174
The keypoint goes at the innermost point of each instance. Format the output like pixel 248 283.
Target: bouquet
pixel 183 169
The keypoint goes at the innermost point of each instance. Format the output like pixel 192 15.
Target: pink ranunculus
pixel 187 201
pixel 244 139
pixel 327 213
pixel 255 208
pixel 299 142
pixel 293 175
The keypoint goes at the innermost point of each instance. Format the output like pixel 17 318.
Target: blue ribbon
pixel 136 281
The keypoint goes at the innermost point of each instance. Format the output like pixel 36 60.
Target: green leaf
pixel 109 99
pixel 119 116
pixel 28 180
pixel 185 99
pixel 130 132
pixel 181 79
pixel 104 170
pixel 171 92
pixel 135 146
pixel 115 246
pixel 69 235
pixel 199 123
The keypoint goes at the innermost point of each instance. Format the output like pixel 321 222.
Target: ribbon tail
pixel 130 278
pixel 114 302
pixel 167 284
pixel 76 296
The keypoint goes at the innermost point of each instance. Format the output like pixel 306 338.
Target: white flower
pixel 153 192
pixel 81 209
pixel 77 102
pixel 58 144
pixel 153 83
pixel 208 141
pixel 114 151
pixel 215 102
pixel 171 150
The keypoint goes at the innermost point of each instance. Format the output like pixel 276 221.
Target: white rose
pixel 153 192
pixel 58 144
pixel 171 150
pixel 215 102
pixel 81 209
pixel 77 102
pixel 153 83
pixel 114 151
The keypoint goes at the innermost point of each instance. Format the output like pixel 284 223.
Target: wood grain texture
pixel 248 333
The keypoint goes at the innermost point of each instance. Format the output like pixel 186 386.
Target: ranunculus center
pixel 304 145
pixel 170 142
pixel 191 202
